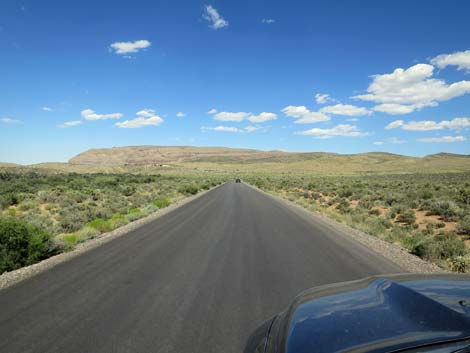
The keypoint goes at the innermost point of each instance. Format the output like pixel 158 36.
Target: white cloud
pixel 268 21
pixel 180 115
pixel 212 111
pixel 395 109
pixel 460 59
pixel 345 109
pixel 447 139
pixel 429 125
pixel 323 98
pixel 221 128
pixel 231 116
pixel 260 118
pixel 352 119
pixel 303 115
pixel 411 89
pixel 46 109
pixel 129 47
pixel 145 117
pixel 251 128
pixel 378 143
pixel 394 124
pixel 396 140
pixel 211 15
pixel 9 121
pixel 69 124
pixel 338 130
pixel 89 114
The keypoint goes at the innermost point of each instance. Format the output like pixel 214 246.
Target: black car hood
pixel 377 314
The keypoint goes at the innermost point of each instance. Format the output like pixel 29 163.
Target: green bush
pixel 407 217
pixel 188 190
pixel 464 225
pixel 162 203
pixel 458 263
pixel 102 225
pixel 21 244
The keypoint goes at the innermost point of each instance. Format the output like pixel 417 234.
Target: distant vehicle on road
pixel 400 313
pixel 238 181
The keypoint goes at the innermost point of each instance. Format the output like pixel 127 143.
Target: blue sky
pixel 339 76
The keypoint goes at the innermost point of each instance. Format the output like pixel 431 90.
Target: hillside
pixel 148 155
pixel 248 160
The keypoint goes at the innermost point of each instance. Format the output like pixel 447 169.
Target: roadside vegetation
pixel 428 214
pixel 44 213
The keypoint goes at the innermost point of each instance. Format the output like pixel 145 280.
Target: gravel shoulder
pixel 391 252
pixel 11 278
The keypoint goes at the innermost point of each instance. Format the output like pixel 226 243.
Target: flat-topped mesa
pixel 146 155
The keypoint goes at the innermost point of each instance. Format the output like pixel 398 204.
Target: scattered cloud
pixel 395 109
pixel 303 115
pixel 268 21
pixel 145 117
pixel 212 111
pixel 345 109
pixel 445 139
pixel 221 128
pixel 46 109
pixel 180 115
pixel 352 119
pixel 231 116
pixel 261 118
pixel 429 125
pixel 69 124
pixel 404 91
pixel 394 124
pixel 211 15
pixel 323 98
pixel 9 121
pixel 396 140
pixel 338 130
pixel 378 143
pixel 251 128
pixel 460 59
pixel 123 48
pixel 89 114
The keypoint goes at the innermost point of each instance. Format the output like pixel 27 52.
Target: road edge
pixel 11 278
pixel 392 252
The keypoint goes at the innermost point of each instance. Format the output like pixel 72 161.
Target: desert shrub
pixel 118 220
pixel 8 200
pixel 463 226
pixel 27 205
pixel 426 195
pixel 21 244
pixel 464 196
pixel 446 209
pixel 416 244
pixel 458 263
pixel 162 203
pixel 102 225
pixel 407 217
pixel 188 190
pixel 70 240
pixel 71 219
pixel 444 246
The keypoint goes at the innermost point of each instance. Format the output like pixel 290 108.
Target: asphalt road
pixel 198 279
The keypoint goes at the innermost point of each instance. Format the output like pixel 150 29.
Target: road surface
pixel 198 279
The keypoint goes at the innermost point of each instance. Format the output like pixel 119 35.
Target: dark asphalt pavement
pixel 198 279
